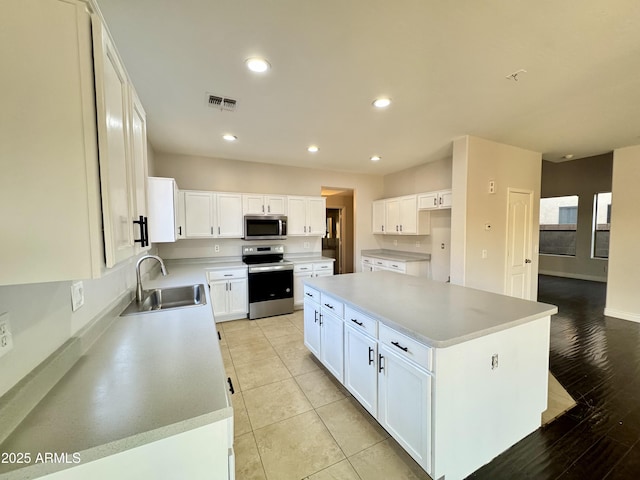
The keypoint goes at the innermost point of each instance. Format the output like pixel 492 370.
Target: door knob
pixel 527 260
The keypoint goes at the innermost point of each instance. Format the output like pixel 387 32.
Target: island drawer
pixel 405 346
pixel 312 294
pixel 331 304
pixel 360 321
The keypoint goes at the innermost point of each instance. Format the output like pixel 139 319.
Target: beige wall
pixel 623 288
pixel 584 178
pixel 201 173
pixel 423 178
pixel 475 162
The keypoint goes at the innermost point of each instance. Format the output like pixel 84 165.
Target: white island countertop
pixel 147 377
pixel 434 313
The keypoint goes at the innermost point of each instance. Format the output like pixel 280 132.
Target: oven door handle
pixel 270 269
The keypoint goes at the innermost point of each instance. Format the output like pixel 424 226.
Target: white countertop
pixel 396 255
pixel 308 259
pixel 147 377
pixel 434 313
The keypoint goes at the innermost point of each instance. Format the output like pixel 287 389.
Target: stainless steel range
pixel 270 281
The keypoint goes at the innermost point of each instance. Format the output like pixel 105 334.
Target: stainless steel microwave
pixel 265 227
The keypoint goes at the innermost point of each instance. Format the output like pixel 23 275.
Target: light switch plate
pixel 77 295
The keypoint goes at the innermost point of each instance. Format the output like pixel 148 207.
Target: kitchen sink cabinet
pixel 79 165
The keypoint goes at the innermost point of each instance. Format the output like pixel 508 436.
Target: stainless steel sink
pixel 159 299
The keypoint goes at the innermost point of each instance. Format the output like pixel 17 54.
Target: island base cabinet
pixel 331 344
pixel 361 368
pixel 312 326
pixel 404 408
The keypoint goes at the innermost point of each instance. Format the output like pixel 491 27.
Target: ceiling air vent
pixel 222 103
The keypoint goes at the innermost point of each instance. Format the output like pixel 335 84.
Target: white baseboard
pixel 577 276
pixel 632 317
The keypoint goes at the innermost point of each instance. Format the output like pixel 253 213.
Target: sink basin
pixel 160 299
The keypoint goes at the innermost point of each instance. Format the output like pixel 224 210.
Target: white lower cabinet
pixel 308 270
pixel 361 368
pixel 404 404
pixel 229 293
pixel 331 340
pixel 312 326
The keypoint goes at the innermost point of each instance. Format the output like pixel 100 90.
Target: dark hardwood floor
pixel 597 360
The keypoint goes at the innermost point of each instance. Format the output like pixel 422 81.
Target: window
pixel 558 222
pixel 601 225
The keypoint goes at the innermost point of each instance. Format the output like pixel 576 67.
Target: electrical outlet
pixel 442 246
pixel 216 248
pixel 6 342
pixel 494 361
pixel 492 186
pixel 77 295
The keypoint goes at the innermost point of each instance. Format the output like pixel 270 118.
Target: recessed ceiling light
pixel 375 158
pixel 382 102
pixel 229 138
pixel 257 64
pixel 313 148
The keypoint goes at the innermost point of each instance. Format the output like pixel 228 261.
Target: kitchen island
pixel 455 375
pixel 149 399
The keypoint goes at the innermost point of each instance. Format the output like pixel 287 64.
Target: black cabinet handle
pixel 356 322
pixel 370 355
pixel 142 222
pixel 329 306
pixel 219 337
pixel 321 319
pixel 308 294
pixel 396 344
pixel 180 230
pixel 230 386
pixel 315 316
pixel 380 366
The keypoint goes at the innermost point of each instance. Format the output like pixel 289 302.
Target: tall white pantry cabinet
pixel 72 146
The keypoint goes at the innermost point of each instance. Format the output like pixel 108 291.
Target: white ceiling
pixel 442 62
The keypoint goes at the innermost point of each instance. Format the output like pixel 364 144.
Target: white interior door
pixel 519 241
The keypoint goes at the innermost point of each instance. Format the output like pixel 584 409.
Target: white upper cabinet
pixel 112 101
pixel 307 216
pixel 256 204
pixel 79 145
pixel 399 216
pixel 138 142
pixel 434 200
pixel 378 216
pixel 163 209
pixel 229 215
pixel 199 212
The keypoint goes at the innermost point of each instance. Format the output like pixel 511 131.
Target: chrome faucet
pixel 139 280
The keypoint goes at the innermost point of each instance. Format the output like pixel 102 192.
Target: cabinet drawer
pixel 226 274
pixel 329 303
pixel 323 267
pixel 397 266
pixel 367 260
pixel 360 321
pixel 380 263
pixel 302 267
pixel 311 294
pixel 405 346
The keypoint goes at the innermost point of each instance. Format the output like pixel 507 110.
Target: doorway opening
pixel 338 241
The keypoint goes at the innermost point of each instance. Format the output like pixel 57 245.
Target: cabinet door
pixel 138 131
pixel 238 296
pixel 253 204
pixel 331 343
pixel 317 216
pixel 404 404
pixel 312 326
pixel 163 199
pixel 298 286
pixel 378 217
pixel 409 215
pixel 181 225
pixel 275 204
pixel 198 214
pixel 392 222
pixel 428 201
pixel 361 368
pixel 219 297
pixel 112 101
pixel 229 215
pixel 444 199
pixel 297 218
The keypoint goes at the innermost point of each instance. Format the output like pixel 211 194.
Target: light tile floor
pixel 293 420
